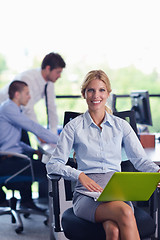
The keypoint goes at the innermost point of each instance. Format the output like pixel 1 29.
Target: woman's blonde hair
pixel 96 74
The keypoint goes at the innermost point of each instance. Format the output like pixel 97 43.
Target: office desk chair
pixel 42 186
pixel 9 180
pixel 75 228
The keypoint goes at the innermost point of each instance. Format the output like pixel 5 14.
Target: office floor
pixel 34 228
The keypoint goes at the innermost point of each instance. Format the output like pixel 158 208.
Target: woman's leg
pixel 111 230
pixel 123 216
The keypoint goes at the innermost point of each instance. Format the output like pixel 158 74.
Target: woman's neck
pixel 97 117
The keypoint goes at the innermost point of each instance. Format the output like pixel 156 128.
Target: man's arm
pixel 21 120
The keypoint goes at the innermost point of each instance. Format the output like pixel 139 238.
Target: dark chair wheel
pixel 46 222
pixel 26 215
pixel 19 230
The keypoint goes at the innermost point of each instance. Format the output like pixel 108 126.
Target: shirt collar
pixel 43 81
pixel 88 121
pixel 14 104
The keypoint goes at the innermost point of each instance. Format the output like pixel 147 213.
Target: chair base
pixel 16 214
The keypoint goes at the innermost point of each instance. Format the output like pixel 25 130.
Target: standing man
pixel 41 85
pixel 12 121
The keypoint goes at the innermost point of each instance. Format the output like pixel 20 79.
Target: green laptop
pixel 127 186
pixel 130 186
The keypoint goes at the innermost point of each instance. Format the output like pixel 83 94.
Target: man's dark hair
pixel 54 60
pixel 16 86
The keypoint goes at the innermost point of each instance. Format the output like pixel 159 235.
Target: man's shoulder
pixel 8 106
pixel 28 74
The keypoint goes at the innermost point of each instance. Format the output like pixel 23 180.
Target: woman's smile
pixel 96 95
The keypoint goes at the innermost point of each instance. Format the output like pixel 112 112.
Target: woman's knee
pixel 127 215
pixel 111 230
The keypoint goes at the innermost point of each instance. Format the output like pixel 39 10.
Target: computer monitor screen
pixel 141 106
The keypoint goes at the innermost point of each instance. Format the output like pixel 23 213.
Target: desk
pixel 154 153
pixel 46 149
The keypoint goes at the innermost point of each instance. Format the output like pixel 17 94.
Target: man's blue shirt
pixel 12 121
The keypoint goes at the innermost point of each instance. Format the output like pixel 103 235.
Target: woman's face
pixel 96 95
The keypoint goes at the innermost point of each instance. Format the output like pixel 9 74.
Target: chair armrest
pixel 54 177
pixel 54 195
pixel 10 154
pixel 21 156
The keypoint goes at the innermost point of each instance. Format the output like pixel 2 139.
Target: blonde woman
pixel 96 137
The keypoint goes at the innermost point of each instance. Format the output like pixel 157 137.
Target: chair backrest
pixel 69 185
pixel 68 116
pixel 129 116
pixel 25 137
pixel 126 165
pixel 10 175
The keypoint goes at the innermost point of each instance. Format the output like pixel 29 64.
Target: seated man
pixel 12 121
pixel 41 82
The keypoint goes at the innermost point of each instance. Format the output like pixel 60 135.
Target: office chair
pixel 9 180
pixel 75 228
pixel 129 116
pixel 42 186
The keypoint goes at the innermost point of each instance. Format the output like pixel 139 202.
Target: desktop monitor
pixel 141 106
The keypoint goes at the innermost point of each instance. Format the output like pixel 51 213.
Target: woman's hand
pixel 89 183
